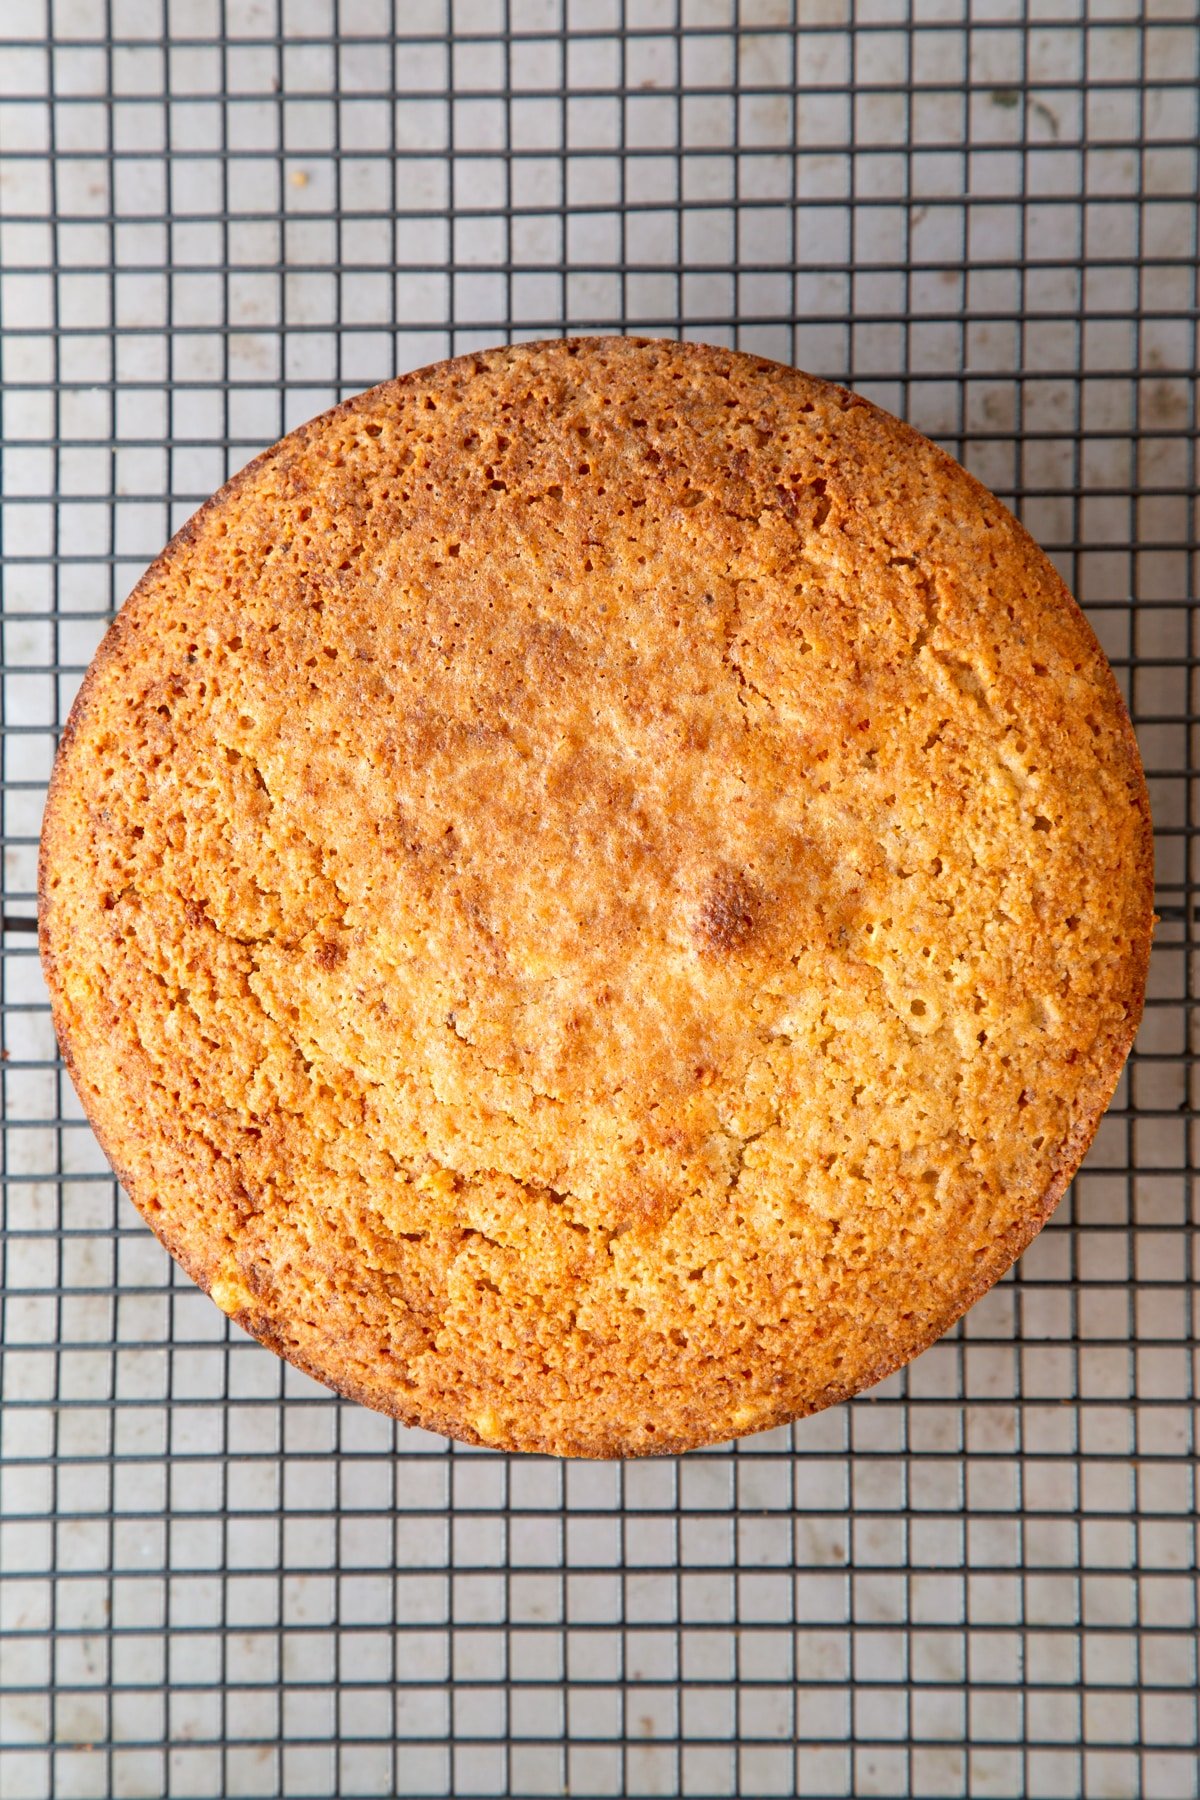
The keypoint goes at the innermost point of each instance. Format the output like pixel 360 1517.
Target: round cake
pixel 596 894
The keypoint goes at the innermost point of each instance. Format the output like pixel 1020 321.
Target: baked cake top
pixel 596 894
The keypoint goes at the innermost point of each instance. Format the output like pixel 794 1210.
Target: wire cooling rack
pixel 221 216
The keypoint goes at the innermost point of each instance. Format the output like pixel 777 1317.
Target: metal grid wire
pixel 221 216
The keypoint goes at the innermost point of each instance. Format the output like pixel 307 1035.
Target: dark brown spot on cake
pixel 244 1203
pixel 729 913
pixel 329 955
pixel 258 1278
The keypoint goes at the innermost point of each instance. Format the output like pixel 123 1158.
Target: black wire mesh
pixel 220 216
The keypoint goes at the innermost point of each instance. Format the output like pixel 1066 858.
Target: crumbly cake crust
pixel 596 894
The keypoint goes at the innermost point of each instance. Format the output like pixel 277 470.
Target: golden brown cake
pixel 596 894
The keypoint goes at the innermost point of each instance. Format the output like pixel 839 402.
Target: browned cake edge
pixel 1006 1249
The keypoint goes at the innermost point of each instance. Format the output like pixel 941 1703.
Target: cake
pixel 596 894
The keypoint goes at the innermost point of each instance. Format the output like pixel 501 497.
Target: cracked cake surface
pixel 596 894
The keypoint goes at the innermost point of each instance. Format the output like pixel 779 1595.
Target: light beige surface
pixel 597 895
